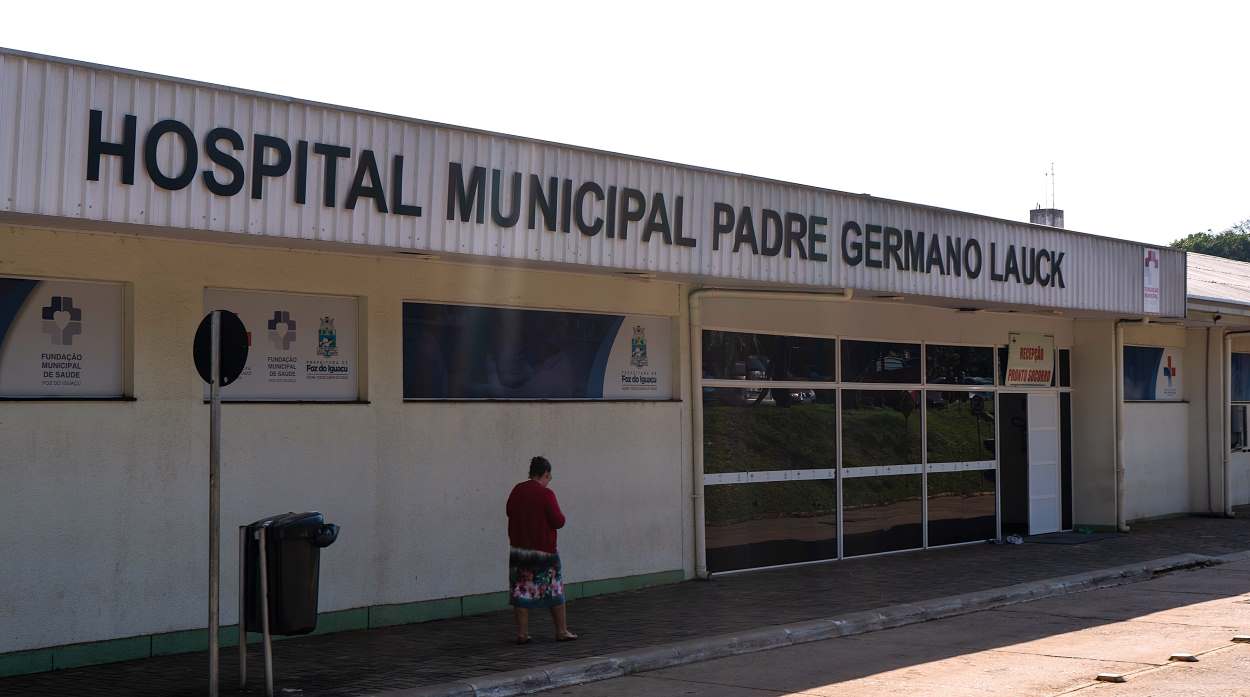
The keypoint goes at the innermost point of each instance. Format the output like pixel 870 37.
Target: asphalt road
pixel 1054 646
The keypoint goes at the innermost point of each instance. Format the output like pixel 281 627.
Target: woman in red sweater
pixel 534 574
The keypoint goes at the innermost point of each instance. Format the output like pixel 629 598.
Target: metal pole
pixel 214 505
pixel 264 615
pixel 242 608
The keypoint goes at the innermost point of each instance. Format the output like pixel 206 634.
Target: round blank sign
pixel 234 343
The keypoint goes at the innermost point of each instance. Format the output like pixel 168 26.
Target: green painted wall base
pixel 131 648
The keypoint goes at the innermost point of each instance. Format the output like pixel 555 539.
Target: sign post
pixel 220 352
pixel 214 502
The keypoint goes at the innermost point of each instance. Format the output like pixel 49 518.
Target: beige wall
pixel 879 320
pixel 1158 473
pixel 105 502
pixel 1093 422
pixel 1202 364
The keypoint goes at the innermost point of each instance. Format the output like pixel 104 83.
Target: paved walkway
pixel 1045 648
pixel 373 661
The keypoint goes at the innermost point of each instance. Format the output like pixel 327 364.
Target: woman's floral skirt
pixel 534 578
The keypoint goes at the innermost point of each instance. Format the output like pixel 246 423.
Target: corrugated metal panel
pixel 44 116
pixel 1218 279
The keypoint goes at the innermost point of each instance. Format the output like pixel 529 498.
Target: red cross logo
pixel 1170 372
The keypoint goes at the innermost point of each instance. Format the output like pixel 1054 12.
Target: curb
pixel 530 680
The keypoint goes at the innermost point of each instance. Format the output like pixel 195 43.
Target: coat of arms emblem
pixel 638 347
pixel 327 339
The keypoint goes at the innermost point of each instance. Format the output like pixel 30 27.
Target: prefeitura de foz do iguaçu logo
pixel 638 347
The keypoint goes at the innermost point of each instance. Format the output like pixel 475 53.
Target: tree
pixel 1233 243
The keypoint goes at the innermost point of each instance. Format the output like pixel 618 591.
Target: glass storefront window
pixel 740 356
pixel 960 429
pixel 752 430
pixel 878 361
pixel 959 365
pixel 960 426
pixel 882 508
pixel 770 450
pixel 881 514
pixel 880 428
pixel 961 507
pixel 771 523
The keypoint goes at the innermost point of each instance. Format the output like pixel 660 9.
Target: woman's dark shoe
pixel 524 639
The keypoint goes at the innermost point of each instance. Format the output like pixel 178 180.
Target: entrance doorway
pixel 1033 491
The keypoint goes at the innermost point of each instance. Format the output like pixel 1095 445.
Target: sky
pixel 1142 107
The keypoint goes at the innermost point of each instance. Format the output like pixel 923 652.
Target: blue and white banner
pixel 303 347
pixel 1152 373
pixel 469 352
pixel 61 338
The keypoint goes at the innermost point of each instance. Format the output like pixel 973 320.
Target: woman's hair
pixel 539 466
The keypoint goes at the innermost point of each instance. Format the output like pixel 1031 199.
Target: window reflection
pixel 880 427
pixel 959 365
pixel 878 361
pixel 960 426
pixel 883 496
pixel 961 507
pixel 751 430
pixel 752 525
pixel 881 514
pixel 741 356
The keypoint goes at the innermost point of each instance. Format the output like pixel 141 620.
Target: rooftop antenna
pixel 1049 215
pixel 1051 175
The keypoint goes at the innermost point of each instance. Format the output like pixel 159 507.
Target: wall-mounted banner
pixel 470 352
pixel 61 338
pixel 1030 360
pixel 1152 373
pixel 303 347
pixel 1151 292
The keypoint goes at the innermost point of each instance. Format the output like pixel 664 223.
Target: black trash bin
pixel 293 557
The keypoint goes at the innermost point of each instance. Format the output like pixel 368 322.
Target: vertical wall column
pixel 1208 483
pixel 1093 423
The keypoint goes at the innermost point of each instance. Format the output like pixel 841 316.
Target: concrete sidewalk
pixel 1044 648
pixel 471 650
